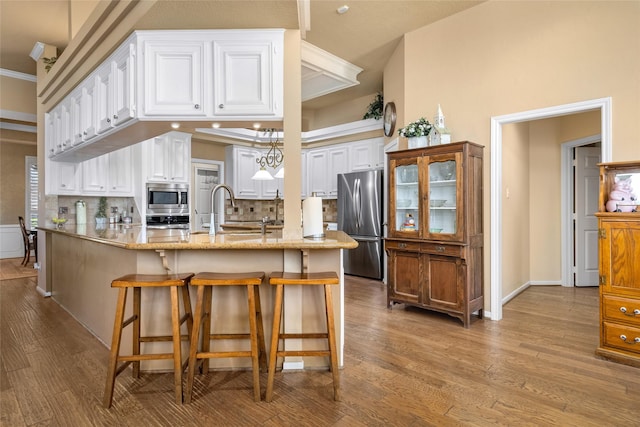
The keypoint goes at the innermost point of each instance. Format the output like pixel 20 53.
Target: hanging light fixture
pixel 273 158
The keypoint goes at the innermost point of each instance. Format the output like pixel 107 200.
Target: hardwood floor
pixel 404 367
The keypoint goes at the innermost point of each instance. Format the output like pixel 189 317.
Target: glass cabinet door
pixel 443 196
pixel 407 218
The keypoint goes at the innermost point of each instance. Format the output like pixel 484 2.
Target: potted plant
pixel 375 108
pixel 101 213
pixel 417 132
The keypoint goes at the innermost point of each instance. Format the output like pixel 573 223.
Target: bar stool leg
pixel 115 348
pixel 261 344
pixel 332 342
pixel 194 344
pixel 135 334
pixel 206 327
pixel 275 338
pixel 253 333
pixel 177 351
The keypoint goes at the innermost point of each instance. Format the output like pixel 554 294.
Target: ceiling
pixel 366 35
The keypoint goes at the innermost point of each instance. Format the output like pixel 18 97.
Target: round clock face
pixel 389 118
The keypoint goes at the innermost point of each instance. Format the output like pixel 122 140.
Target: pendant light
pixel 273 158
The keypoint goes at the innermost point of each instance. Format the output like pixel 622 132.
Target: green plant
pixel 375 108
pixel 420 127
pixel 102 208
pixel 48 63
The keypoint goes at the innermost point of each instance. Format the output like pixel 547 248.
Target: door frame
pixel 192 190
pixel 602 104
pixel 567 182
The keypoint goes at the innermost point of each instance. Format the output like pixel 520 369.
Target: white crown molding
pixel 317 135
pixel 17 75
pixel 323 72
pixel 19 128
pixel 304 17
pixel 17 115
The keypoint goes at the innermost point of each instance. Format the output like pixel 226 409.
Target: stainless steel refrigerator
pixel 360 202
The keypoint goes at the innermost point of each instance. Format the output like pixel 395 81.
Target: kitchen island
pixel 82 260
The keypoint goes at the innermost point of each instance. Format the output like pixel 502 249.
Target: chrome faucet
pixel 212 221
pixel 277 200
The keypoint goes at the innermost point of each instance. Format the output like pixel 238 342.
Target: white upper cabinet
pixel 174 78
pixel 114 92
pixel 366 154
pixel 95 176
pixel 168 157
pixel 166 75
pixel 323 166
pixel 247 77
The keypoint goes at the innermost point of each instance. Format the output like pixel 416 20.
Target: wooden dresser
pixel 619 264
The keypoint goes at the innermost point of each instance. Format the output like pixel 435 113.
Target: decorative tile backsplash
pixel 255 210
pixel 245 210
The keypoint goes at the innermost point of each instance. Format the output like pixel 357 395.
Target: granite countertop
pixel 132 236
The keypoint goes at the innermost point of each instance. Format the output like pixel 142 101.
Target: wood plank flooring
pixel 12 268
pixel 403 367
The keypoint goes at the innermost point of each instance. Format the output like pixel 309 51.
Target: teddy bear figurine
pixel 621 197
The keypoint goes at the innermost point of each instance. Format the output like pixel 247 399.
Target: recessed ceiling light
pixel 175 125
pixel 256 125
pixel 215 125
pixel 342 9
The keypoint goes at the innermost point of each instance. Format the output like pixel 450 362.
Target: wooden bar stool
pixel 202 319
pixel 326 279
pixel 137 282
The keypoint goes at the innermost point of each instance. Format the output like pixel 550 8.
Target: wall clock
pixel 389 118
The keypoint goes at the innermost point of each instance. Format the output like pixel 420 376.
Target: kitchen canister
pixel 81 212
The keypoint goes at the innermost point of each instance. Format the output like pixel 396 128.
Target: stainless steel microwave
pixel 167 199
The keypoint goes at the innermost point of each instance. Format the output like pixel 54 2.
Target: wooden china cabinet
pixel 619 262
pixel 435 243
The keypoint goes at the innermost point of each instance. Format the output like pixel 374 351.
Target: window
pixel 31 192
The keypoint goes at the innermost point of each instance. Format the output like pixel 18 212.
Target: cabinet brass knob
pixel 115 117
pixel 221 106
pixel 440 248
pixel 108 120
pixel 402 245
pixel 197 106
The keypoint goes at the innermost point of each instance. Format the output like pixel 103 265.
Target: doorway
pixel 205 175
pixel 603 105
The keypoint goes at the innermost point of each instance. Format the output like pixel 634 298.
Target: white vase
pixel 417 141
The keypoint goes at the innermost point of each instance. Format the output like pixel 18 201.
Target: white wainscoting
pixel 11 244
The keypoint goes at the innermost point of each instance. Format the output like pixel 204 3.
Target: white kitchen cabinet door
pixel 168 157
pixel 338 159
pixel 95 175
pixel 75 117
pixel 66 137
pixel 365 154
pixel 52 131
pixel 244 80
pixel 274 186
pixel 88 116
pixel 121 172
pixel 174 78
pixel 104 97
pixel 124 84
pixel 62 178
pixel 317 166
pixel 243 166
pixel 114 91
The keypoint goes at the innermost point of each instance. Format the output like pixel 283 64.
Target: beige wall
pixel 207 150
pixel 506 57
pixel 12 180
pixel 515 207
pixel 394 90
pixel 346 112
pixel 17 95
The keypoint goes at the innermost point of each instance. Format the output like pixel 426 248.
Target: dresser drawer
pixel 402 246
pixel 442 249
pixel 622 336
pixel 619 308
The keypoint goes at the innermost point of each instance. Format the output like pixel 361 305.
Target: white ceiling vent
pixel 323 72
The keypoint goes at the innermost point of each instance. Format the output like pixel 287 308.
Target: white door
pixel 205 176
pixel 586 204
